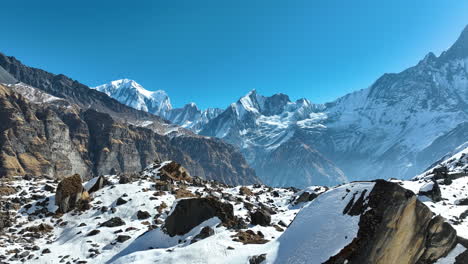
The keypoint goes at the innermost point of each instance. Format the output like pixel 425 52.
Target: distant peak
pixel 459 50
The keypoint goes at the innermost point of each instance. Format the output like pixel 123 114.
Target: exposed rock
pixel 250 237
pixel 6 191
pixel 101 180
pixel 120 201
pixel 93 232
pixel 305 197
pixel 189 213
pixel 183 193
pixel 260 217
pixel 204 233
pixel 143 215
pixel 163 186
pixel 245 191
pixel 257 259
pixel 68 194
pixel 122 238
pixel 431 190
pixel 173 171
pixel 113 222
pixel 396 228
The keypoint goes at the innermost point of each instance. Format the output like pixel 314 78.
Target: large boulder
pixel 173 171
pixel 69 193
pixel 395 227
pixel 260 217
pixel 189 213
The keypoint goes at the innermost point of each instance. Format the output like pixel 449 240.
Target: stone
pixel 250 237
pixel 143 215
pixel 258 259
pixel 120 201
pixel 68 193
pixel 113 222
pixel 433 193
pixel 204 233
pixel 93 232
pixel 189 213
pixel 173 171
pixel 245 191
pixel 395 227
pixel 305 197
pixel 100 182
pixel 260 217
pixel 122 238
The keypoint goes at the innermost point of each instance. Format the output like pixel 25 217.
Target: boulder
pixel 100 182
pixel 113 222
pixel 257 259
pixel 245 191
pixel 189 213
pixel 305 197
pixel 143 215
pixel 69 193
pixel 431 190
pixel 204 233
pixel 395 227
pixel 260 217
pixel 173 171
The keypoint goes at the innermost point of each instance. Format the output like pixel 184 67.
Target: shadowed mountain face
pixel 55 126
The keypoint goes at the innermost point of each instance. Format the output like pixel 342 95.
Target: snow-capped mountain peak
pixel 133 94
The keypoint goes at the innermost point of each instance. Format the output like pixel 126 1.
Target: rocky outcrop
pixel 189 213
pixel 173 171
pixel 395 227
pixel 59 139
pixel 69 193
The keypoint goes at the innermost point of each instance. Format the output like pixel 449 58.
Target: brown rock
pixel 68 194
pixel 174 171
pixel 395 228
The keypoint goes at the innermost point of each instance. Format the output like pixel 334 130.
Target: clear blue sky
pixel 212 52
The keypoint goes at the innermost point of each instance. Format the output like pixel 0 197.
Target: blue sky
pixel 212 52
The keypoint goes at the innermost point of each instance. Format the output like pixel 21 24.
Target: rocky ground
pixel 163 215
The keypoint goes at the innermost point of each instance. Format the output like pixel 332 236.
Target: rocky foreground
pixel 163 215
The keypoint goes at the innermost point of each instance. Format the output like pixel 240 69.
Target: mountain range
pixel 397 127
pixel 55 126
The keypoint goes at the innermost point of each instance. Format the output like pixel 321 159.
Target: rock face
pixel 175 172
pixel 59 139
pixel 189 213
pixel 68 117
pixel 396 228
pixel 69 193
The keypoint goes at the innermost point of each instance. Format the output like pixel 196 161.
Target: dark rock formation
pixel 259 259
pixel 143 215
pixel 260 217
pixel 434 193
pixel 305 197
pixel 396 228
pixel 69 193
pixel 189 213
pixel 204 233
pixel 101 180
pixel 113 222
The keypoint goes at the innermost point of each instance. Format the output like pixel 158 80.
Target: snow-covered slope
pixel 126 222
pixel 134 95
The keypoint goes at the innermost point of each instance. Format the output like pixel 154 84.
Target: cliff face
pixel 55 138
